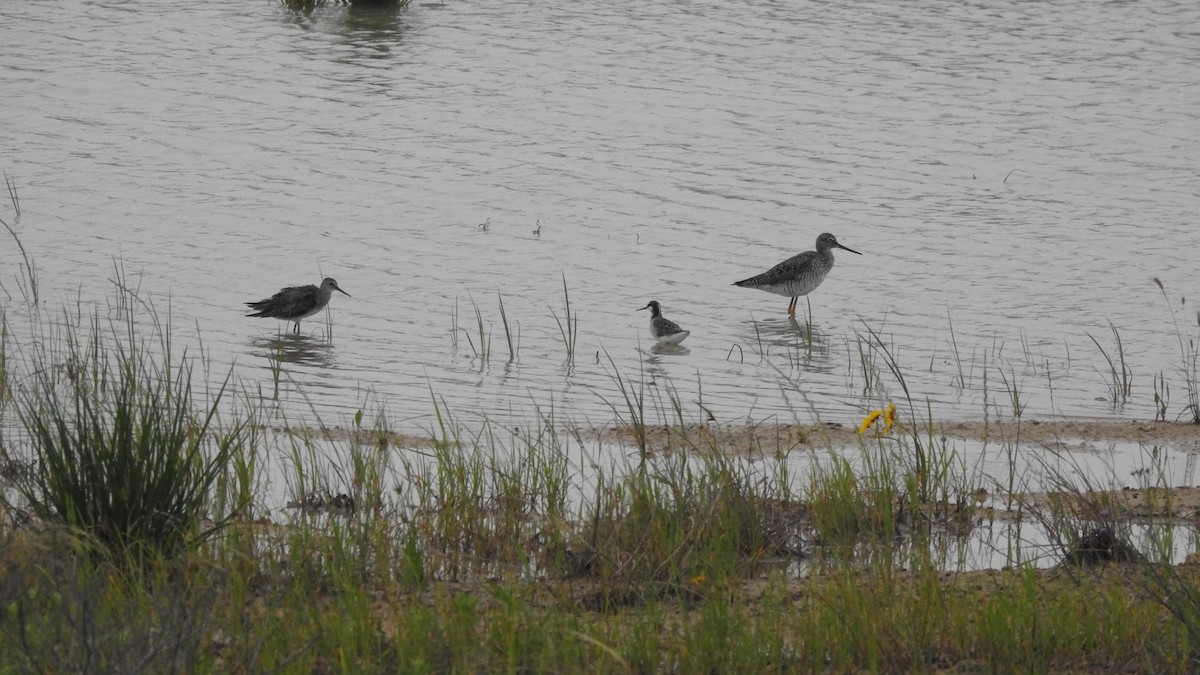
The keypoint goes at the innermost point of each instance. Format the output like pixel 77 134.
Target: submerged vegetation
pixel 310 5
pixel 1189 360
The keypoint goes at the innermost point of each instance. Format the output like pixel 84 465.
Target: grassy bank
pixel 236 612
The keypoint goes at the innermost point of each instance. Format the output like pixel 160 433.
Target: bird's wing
pixel 295 300
pixel 785 270
pixel 666 326
pixel 288 302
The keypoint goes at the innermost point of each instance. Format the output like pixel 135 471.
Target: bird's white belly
pixel 674 338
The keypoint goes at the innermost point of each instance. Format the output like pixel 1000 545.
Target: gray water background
pixel 1023 170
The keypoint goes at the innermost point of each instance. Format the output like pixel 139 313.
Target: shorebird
pixel 663 330
pixel 296 302
pixel 800 274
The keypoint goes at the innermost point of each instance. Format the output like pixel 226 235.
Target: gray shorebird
pixel 296 302
pixel 800 274
pixel 663 330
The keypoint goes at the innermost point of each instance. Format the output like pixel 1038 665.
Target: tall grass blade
pixel 508 336
pixel 568 326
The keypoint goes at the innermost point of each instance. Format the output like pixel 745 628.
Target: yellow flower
pixel 869 420
pixel 697 580
pixel 889 419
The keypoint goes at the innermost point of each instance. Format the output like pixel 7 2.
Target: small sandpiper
pixel 663 330
pixel 800 274
pixel 296 302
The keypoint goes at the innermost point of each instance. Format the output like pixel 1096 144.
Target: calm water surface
pixel 1022 170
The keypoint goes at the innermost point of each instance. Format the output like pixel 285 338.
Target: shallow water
pixel 1020 171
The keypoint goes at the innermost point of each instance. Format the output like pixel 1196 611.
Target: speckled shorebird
pixel 800 274
pixel 663 330
pixel 296 302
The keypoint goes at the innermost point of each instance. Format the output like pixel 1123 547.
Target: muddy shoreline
pixel 752 438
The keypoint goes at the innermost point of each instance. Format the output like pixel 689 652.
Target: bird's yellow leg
pixel 792 307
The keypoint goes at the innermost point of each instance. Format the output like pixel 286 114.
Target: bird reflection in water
pixel 655 356
pixel 292 348
pixel 805 345
pixel 668 349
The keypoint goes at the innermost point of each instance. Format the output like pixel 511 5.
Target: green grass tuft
pixel 119 450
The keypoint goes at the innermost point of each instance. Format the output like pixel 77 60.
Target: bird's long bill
pixel 646 307
pixel 350 296
pixel 848 249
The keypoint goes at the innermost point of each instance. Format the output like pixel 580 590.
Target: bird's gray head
pixel 827 241
pixel 652 306
pixel 329 284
